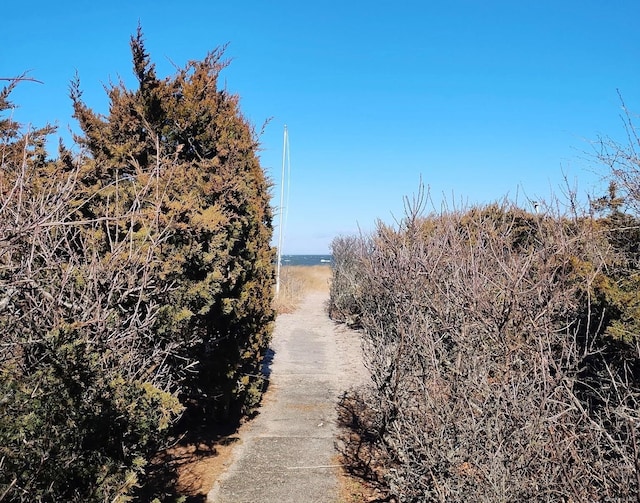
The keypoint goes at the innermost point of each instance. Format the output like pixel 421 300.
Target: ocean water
pixel 307 259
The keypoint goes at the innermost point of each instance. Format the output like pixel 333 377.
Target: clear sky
pixel 480 98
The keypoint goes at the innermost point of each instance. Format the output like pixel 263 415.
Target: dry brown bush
pixel 347 279
pixel 480 341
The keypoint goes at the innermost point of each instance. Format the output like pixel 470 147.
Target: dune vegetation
pixel 503 348
pixel 296 282
pixel 135 283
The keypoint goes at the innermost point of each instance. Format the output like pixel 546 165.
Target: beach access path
pixel 287 453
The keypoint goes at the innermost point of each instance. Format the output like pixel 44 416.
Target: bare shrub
pixel 87 382
pixel 478 327
pixel 623 161
pixel 346 281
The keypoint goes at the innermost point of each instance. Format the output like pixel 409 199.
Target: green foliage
pixel 135 281
pixel 618 286
pixel 187 139
pixel 67 434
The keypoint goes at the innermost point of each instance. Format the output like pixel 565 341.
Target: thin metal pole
pixel 281 225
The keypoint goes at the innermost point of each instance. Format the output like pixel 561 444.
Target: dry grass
pixel 200 465
pixel 296 281
pixel 354 490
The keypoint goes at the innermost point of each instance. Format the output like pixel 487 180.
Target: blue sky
pixel 480 99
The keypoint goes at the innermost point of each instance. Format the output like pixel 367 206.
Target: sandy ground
pixel 287 453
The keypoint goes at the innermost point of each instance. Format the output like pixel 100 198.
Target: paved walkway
pixel 287 453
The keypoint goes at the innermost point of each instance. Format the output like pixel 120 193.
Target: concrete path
pixel 287 453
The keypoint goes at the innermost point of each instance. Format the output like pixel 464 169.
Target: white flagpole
pixel 285 149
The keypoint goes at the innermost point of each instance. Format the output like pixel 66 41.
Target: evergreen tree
pixel 187 140
pixel 134 273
